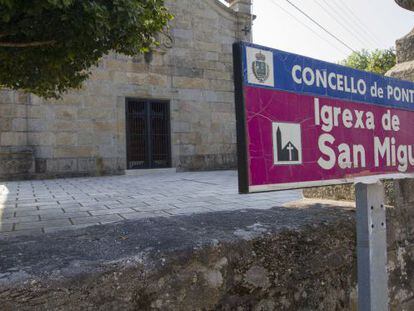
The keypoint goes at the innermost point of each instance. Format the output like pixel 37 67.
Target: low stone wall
pixel 298 257
pixel 261 274
pixel 242 260
pixel 16 165
pixel 347 192
pixel 78 167
pixel 336 192
pixel 208 162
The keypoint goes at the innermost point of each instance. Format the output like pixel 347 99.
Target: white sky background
pixel 365 24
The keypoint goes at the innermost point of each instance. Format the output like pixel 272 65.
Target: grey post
pixel 371 248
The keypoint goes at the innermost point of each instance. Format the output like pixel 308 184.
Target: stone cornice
pixel 406 4
pixel 226 11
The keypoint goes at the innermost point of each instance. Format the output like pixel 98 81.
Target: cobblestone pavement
pixel 45 206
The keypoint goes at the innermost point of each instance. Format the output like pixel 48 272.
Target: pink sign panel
pixel 293 138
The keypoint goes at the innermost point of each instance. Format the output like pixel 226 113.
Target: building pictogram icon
pixel 287 143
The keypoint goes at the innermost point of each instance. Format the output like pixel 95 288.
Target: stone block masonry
pixel 84 133
pixel 401 233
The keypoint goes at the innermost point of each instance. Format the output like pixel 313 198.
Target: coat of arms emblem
pixel 260 68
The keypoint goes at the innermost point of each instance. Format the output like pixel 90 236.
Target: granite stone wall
pixel 347 192
pixel 401 225
pixel 84 133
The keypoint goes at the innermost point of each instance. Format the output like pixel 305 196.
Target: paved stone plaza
pixel 44 206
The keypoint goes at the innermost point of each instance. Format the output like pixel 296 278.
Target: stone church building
pixel 172 108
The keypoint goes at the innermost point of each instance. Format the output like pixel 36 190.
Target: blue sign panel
pixel 300 74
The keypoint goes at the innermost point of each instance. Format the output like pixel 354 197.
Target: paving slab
pixel 44 206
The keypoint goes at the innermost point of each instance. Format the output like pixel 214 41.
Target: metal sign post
pixel 371 248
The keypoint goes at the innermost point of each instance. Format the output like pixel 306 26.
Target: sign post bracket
pixel 371 247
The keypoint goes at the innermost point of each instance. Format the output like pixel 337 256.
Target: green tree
pixel 377 61
pixel 49 46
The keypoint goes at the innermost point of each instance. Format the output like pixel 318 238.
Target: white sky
pixel 361 24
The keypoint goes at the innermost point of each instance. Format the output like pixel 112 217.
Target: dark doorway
pixel 148 134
